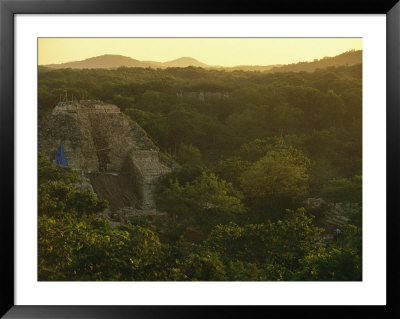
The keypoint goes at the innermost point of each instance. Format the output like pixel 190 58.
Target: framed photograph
pixel 172 159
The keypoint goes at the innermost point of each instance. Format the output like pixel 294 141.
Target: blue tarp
pixel 60 156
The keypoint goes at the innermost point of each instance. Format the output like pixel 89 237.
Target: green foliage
pixel 343 190
pixel 59 196
pixel 204 202
pixel 278 180
pixel 340 262
pixel 123 102
pixel 206 266
pixel 331 265
pixel 321 111
pixel 184 174
pixel 47 100
pixel 277 246
pixel 48 172
pixel 256 149
pixel 75 244
pixel 231 169
pixel 244 159
pixel 90 249
pixel 189 154
pixel 142 117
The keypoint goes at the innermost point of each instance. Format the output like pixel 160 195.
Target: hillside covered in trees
pixel 251 150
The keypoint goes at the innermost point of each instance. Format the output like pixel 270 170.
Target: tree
pixel 89 248
pixel 341 261
pixel 123 102
pixel 203 203
pixel 352 99
pixel 256 149
pixel 275 247
pixel 332 110
pixel 230 169
pixel 278 180
pixel 205 266
pixel 343 190
pixel 75 244
pixel 189 155
pixel 50 172
pixel 286 118
pixel 59 193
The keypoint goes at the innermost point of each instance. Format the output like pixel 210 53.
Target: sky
pixel 212 51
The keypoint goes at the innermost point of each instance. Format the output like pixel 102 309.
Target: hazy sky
pixel 212 51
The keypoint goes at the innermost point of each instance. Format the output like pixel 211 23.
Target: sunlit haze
pixel 212 51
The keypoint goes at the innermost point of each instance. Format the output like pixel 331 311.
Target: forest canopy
pixel 250 147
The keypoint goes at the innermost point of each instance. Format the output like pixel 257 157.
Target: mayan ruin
pixel 113 154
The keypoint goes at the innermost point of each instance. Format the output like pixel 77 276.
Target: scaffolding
pixel 98 139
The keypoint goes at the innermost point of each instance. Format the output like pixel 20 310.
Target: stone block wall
pixel 148 168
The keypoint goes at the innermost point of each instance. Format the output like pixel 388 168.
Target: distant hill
pixel 184 62
pixel 260 68
pixel 109 61
pixel 347 58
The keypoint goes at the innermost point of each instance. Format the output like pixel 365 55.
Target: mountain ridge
pixel 112 61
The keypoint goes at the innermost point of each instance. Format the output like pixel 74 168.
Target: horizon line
pixel 189 57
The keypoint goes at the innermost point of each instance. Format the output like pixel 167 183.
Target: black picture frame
pixel 8 9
